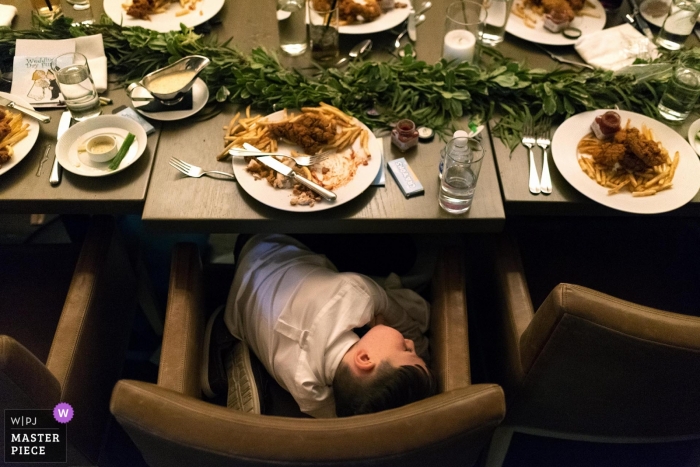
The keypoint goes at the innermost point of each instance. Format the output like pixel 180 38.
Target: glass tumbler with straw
pixel 324 25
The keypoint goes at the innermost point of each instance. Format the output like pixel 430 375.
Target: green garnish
pixel 435 95
pixel 114 164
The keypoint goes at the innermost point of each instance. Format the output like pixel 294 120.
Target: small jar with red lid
pixel 404 135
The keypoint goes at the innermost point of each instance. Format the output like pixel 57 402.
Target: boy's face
pixel 384 343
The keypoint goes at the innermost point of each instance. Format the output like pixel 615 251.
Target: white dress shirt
pixel 297 313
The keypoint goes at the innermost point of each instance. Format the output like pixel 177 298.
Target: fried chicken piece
pixel 4 155
pixel 308 131
pixel 648 151
pixel 561 6
pixel 4 130
pixel 140 9
pixel 609 154
pixel 351 11
pixel 2 114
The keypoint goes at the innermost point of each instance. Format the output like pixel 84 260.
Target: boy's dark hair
pixel 389 388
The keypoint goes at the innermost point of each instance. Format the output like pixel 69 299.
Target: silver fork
pixel 529 141
pixel 543 141
pixel 194 171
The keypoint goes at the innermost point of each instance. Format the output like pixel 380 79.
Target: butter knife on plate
pixel 63 125
pixel 411 28
pixel 287 171
pixel 640 21
pixel 11 105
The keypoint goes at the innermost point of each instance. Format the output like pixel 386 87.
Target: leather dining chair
pixel 588 366
pixel 65 321
pixel 173 426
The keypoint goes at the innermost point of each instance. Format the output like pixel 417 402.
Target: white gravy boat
pixel 170 84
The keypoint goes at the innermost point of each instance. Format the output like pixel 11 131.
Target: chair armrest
pixel 449 341
pixel 172 429
pixel 25 382
pixel 515 307
pixel 92 335
pixel 183 335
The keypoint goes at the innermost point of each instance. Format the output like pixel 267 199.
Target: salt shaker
pixel 404 135
pixel 443 152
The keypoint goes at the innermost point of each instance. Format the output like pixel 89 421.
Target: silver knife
pixel 11 104
pixel 641 22
pixel 411 28
pixel 63 125
pixel 274 164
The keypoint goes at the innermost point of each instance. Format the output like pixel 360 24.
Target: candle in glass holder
pixel 459 45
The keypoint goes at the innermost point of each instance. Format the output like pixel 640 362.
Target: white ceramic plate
pixel 22 148
pixel 539 35
pixel 279 198
pixel 686 181
pixel 692 131
pixel 655 20
pixel 200 96
pixel 385 22
pixel 167 21
pixel 79 163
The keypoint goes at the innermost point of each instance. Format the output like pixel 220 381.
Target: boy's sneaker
pixel 244 377
pixel 218 342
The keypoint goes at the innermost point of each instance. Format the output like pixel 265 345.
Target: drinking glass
pixel 48 8
pixel 323 33
pixel 291 23
pixel 461 171
pixel 464 27
pixel 681 94
pixel 497 18
pixel 76 85
pixel 678 24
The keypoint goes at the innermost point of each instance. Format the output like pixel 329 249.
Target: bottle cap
pixel 460 134
pixel 425 134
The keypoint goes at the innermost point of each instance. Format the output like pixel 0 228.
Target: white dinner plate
pixel 386 21
pixel 74 160
pixel 692 132
pixel 657 20
pixel 167 21
pixel 22 148
pixel 200 96
pixel 540 35
pixel 279 198
pixel 686 181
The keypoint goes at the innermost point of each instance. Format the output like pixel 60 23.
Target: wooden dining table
pixel 26 189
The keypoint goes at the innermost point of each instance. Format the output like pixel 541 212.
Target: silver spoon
pixel 397 43
pixel 359 50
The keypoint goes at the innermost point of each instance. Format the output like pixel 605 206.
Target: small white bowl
pixel 101 148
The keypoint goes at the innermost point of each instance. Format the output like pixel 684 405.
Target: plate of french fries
pixel 354 161
pixel 527 22
pixel 636 188
pixel 164 15
pixel 20 134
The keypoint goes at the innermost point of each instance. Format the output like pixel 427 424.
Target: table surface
pixel 565 199
pixel 207 205
pixel 25 189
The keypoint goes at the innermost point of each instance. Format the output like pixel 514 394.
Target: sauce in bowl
pixel 170 82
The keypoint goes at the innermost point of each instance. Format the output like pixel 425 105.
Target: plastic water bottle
pixel 443 152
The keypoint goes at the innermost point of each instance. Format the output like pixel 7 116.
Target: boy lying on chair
pixel 299 315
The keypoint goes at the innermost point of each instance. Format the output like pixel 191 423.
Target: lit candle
pixel 459 45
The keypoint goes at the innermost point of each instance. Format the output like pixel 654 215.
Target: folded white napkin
pixel 94 50
pixel 614 48
pixel 7 13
